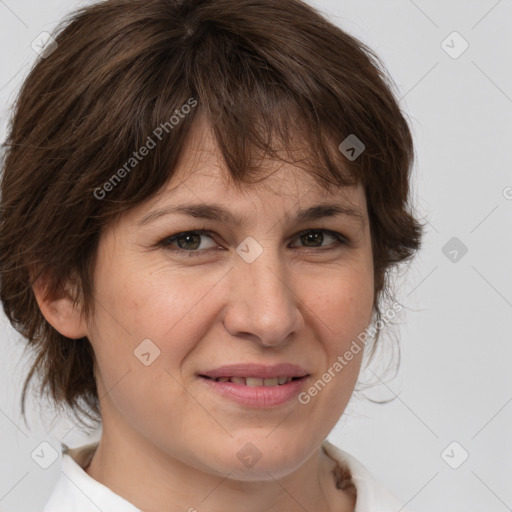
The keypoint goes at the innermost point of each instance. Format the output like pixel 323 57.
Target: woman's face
pixel 254 292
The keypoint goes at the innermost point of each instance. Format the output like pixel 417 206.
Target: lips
pixel 256 386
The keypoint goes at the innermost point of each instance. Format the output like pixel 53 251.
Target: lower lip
pixel 259 396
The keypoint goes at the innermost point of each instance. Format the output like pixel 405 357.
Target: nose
pixel 262 304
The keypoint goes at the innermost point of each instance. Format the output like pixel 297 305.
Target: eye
pixel 190 243
pixel 311 237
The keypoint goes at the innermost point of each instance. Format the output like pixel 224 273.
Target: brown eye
pixel 186 242
pixel 313 238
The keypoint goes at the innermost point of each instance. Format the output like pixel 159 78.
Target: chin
pixel 258 457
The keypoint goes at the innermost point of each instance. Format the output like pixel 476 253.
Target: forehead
pixel 202 187
pixel 203 169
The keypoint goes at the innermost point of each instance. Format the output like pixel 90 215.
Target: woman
pixel 201 201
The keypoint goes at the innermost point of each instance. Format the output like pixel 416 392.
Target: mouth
pixel 256 392
pixel 256 385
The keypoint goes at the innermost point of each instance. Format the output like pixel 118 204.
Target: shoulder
pixel 371 496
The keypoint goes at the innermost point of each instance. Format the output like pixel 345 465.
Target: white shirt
pixel 76 491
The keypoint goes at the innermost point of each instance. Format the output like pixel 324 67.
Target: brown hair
pixel 262 72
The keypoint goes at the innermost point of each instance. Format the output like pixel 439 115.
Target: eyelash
pixel 165 243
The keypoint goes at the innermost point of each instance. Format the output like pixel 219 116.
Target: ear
pixel 60 311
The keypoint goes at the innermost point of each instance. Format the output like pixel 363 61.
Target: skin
pixel 168 442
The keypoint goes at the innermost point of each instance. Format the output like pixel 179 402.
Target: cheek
pixel 164 306
pixel 339 311
pixel 340 304
pixel 136 307
pixel 169 305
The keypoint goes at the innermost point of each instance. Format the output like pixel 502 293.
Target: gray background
pixel 454 382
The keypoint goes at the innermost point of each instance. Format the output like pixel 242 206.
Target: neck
pixel 155 480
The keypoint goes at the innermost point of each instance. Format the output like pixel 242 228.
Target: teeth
pixel 256 382
pixel 253 382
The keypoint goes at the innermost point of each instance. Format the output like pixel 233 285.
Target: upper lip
pixel 256 371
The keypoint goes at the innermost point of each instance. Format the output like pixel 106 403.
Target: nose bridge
pixel 266 279
pixel 263 302
pixel 267 275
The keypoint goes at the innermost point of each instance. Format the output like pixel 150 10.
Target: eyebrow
pixel 216 212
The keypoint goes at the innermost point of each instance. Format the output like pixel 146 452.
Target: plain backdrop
pixel 444 442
